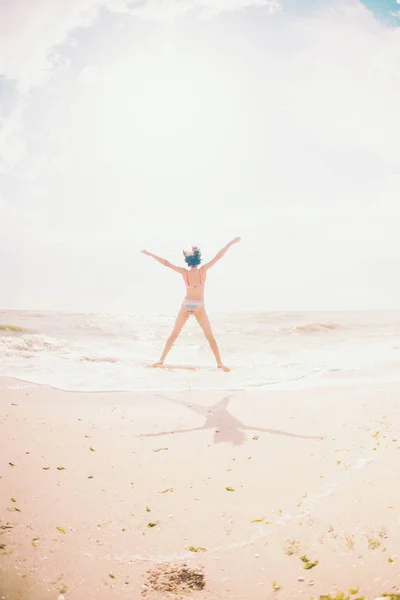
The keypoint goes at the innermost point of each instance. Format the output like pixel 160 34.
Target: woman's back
pixel 194 280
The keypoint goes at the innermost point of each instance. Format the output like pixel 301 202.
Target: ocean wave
pixel 12 328
pixel 30 343
pixel 316 327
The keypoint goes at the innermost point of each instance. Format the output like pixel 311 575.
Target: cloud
pixel 30 31
pixel 219 6
pixel 12 143
pixel 162 10
pixel 30 34
pixel 347 81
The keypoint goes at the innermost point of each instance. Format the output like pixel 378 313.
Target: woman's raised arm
pixel 221 253
pixel 164 262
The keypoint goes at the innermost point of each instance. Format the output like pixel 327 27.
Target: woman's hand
pixel 145 252
pixel 236 240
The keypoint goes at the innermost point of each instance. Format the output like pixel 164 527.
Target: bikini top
pixel 193 286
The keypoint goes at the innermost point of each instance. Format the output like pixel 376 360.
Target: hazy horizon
pixel 128 125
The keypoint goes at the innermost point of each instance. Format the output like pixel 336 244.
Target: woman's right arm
pixel 164 261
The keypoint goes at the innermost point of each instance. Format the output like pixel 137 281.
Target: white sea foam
pixel 114 352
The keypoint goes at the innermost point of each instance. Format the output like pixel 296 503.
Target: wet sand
pixel 207 495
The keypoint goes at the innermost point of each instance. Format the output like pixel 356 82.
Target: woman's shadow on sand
pixel 227 427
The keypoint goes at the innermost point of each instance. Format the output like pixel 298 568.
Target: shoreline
pixel 312 382
pixel 250 481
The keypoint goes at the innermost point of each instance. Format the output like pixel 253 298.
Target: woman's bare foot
pixel 158 365
pixel 224 368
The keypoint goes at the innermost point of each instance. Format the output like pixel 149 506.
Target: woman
pixel 193 304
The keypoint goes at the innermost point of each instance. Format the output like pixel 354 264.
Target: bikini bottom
pixel 193 305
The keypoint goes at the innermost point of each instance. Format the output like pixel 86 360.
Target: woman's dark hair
pixel 193 258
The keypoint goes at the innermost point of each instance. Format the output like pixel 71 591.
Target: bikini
pixel 193 305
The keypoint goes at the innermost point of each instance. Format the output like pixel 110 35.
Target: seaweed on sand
pixel 177 579
pixel 340 596
pixel 308 564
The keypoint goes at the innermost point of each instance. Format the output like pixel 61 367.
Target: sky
pixel 161 124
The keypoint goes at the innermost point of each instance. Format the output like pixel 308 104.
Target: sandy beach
pixel 210 495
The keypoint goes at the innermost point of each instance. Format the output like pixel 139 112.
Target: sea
pixel 271 350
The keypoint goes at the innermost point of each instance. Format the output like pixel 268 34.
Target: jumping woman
pixel 193 304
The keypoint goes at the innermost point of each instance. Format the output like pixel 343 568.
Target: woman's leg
pixel 181 319
pixel 204 323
